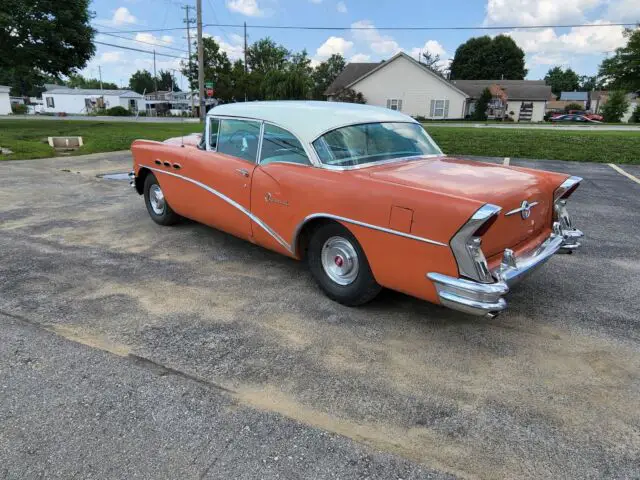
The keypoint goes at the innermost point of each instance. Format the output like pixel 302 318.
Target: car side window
pixel 239 138
pixel 214 123
pixel 280 145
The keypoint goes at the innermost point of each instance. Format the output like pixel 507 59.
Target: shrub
pixel 482 105
pixel 635 116
pixel 573 106
pixel 616 107
pixel 142 113
pixel 118 111
pixel 18 108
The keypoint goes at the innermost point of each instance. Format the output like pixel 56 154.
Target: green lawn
pixel 588 146
pixel 28 138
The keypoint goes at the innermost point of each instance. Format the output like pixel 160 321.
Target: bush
pixel 616 107
pixel 118 111
pixel 18 108
pixel 573 106
pixel 482 105
pixel 142 113
pixel 635 116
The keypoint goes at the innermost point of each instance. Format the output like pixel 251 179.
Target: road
pixel 102 118
pixel 132 350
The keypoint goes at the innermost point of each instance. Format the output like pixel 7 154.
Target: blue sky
pixel 579 48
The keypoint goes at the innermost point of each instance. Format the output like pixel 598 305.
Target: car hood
pixel 506 187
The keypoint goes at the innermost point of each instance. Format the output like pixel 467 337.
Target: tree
pixel 622 70
pixel 616 106
pixel 43 37
pixel 265 55
pixel 349 95
pixel 433 63
pixel 482 105
pixel 217 69
pixel 562 80
pixel 635 116
pixel 325 73
pixel 76 80
pixel 141 82
pixel 588 83
pixel 486 58
pixel 167 82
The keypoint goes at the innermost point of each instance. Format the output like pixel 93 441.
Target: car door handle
pixel 243 172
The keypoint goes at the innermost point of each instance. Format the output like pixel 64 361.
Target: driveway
pixel 129 349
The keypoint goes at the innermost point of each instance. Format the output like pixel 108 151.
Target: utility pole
pixel 100 75
pixel 189 21
pixel 200 59
pixel 155 77
pixel 245 61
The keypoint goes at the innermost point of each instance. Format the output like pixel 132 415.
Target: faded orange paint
pixel 433 197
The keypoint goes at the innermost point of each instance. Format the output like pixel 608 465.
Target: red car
pixel 588 115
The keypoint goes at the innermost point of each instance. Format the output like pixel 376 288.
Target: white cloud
pixel 249 8
pixel 234 50
pixel 365 32
pixel 334 45
pixel 111 57
pixel 360 57
pixel 433 47
pixel 623 11
pixel 150 38
pixel 316 1
pixel 122 16
pixel 579 40
pixel 341 7
pixel 538 12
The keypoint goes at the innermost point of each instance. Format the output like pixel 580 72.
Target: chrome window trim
pixel 260 140
pixel 207 132
pixel 306 150
pixel 292 247
pixel 381 162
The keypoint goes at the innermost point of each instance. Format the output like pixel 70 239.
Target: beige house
pixel 402 83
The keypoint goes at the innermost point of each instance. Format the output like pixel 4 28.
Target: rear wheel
pixel 340 267
pixel 156 203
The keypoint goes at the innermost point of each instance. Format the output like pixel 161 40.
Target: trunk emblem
pixel 524 210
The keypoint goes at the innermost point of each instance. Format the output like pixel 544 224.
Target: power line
pixel 307 27
pixel 118 30
pixel 141 41
pixel 150 52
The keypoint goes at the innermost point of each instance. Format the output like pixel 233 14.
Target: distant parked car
pixel 570 117
pixel 589 115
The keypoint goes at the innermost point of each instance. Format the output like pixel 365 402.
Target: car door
pixel 278 188
pixel 222 168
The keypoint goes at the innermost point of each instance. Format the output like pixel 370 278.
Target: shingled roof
pixel 351 72
pixel 515 89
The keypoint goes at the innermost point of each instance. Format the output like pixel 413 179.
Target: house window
pixel 394 104
pixel 439 108
pixel 50 103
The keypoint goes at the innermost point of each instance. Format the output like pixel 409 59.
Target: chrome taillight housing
pixel 467 244
pixel 561 216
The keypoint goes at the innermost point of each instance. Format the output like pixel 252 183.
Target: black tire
pixel 362 289
pixel 167 216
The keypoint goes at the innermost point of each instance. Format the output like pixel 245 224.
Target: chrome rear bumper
pixel 486 298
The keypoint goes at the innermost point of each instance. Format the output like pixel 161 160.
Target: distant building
pixel 581 98
pixel 174 103
pixel 404 84
pixel 600 97
pixel 86 100
pixel 5 104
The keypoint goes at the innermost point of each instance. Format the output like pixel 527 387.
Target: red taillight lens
pixel 485 226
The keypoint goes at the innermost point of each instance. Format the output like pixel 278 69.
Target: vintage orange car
pixel 365 196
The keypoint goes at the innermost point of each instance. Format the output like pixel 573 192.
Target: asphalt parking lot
pixel 133 350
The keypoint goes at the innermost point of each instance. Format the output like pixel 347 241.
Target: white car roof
pixel 308 119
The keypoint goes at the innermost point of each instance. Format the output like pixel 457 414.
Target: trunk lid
pixel 506 187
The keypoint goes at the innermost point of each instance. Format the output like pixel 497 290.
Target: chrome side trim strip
pixel 361 224
pixel 231 202
pixel 519 209
pixel 291 247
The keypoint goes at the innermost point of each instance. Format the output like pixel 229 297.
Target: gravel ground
pixel 127 347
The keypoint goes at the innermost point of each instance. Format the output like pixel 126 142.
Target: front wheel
pixel 156 203
pixel 340 267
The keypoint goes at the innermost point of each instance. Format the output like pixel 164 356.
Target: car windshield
pixel 373 142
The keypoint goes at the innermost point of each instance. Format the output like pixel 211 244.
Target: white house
pixel 402 83
pixel 84 100
pixel 5 103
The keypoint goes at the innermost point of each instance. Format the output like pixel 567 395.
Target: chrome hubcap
pixel 340 260
pixel 156 199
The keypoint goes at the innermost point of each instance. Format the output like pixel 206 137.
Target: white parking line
pixel 506 161
pixel 622 172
